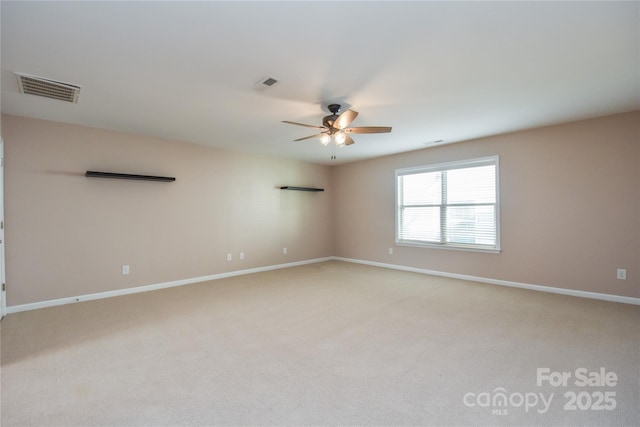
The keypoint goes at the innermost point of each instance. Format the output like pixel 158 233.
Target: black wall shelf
pixel 94 174
pixel 288 187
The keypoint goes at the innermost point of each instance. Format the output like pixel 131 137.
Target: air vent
pixel 266 82
pixel 39 86
pixel 269 81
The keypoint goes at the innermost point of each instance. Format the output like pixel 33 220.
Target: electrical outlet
pixel 621 274
pixel 229 257
pixel 390 251
pixel 125 270
pixel 284 250
pixel 241 255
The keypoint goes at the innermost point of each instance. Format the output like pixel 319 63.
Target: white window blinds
pixel 452 205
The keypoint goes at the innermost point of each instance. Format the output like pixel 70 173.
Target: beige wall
pixel 570 207
pixel 69 235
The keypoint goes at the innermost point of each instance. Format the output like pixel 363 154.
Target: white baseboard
pixel 563 291
pixel 147 288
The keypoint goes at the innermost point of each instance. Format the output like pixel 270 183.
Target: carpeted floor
pixel 324 344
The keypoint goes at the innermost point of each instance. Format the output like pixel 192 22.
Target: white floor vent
pixel 48 88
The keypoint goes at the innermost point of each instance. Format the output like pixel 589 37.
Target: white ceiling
pixel 448 71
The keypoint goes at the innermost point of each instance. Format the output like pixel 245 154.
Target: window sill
pixel 448 247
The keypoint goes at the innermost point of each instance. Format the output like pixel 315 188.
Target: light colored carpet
pixel 322 344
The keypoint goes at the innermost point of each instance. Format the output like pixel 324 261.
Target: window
pixel 450 205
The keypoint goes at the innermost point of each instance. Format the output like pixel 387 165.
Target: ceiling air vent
pixel 269 81
pixel 39 86
pixel 266 82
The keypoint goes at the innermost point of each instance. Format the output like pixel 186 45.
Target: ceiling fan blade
pixel 309 137
pixel 345 119
pixel 305 125
pixel 348 140
pixel 368 129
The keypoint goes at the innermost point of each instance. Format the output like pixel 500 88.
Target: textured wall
pixel 570 207
pixel 69 235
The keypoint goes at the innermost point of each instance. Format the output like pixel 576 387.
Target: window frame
pixel 439 167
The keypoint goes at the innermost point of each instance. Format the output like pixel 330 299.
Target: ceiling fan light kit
pixel 334 128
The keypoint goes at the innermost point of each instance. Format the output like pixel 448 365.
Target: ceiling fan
pixel 334 127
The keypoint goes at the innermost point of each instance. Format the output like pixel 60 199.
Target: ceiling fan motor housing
pixel 329 120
